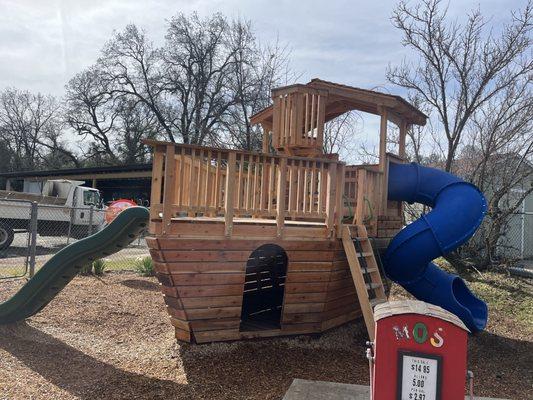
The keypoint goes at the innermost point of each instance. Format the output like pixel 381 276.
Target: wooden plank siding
pixel 203 281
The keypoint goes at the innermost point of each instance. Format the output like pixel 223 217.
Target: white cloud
pixel 43 43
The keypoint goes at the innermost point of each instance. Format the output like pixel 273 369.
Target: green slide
pixel 57 272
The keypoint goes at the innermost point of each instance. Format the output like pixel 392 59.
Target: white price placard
pixel 419 377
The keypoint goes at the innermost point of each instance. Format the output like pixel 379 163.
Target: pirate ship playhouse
pixel 279 242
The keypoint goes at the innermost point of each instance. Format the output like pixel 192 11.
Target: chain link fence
pixel 31 233
pixel 516 243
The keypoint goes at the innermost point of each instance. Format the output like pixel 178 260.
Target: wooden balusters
pixel 170 182
pixel 157 180
pixel 281 192
pixel 330 199
pixel 271 185
pixel 229 194
pixel 197 182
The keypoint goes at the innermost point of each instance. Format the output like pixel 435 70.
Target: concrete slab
pixel 302 389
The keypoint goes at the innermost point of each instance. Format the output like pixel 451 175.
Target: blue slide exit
pixel 458 208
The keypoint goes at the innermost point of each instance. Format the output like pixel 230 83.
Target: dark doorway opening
pixel 264 287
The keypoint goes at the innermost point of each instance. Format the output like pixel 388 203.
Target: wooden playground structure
pixel 279 242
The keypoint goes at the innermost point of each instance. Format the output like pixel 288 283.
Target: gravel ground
pixel 110 338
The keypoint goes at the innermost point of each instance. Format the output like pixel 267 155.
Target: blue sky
pixel 44 43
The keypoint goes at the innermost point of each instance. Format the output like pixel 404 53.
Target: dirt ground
pixel 110 338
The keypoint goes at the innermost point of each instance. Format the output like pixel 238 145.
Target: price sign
pixel 419 376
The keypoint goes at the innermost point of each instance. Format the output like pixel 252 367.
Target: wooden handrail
pixel 204 181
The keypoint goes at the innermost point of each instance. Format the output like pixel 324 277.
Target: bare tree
pixel 476 86
pixel 130 66
pixel 90 110
pixel 339 134
pixel 200 87
pixel 115 125
pixel 257 70
pixel 30 128
pixel 461 67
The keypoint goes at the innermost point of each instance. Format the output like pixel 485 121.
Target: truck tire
pixel 6 236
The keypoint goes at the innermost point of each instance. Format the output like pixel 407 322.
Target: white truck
pixel 63 207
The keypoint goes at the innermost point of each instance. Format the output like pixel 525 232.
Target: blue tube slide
pixel 458 208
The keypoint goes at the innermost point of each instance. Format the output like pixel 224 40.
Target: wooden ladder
pixel 365 272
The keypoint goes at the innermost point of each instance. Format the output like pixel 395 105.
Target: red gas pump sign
pixel 419 353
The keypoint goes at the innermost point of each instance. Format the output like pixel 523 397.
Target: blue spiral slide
pixel 458 208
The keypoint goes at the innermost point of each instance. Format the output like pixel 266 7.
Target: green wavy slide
pixel 57 272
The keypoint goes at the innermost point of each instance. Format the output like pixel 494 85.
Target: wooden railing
pixel 298 119
pixel 369 196
pixel 365 193
pixel 198 181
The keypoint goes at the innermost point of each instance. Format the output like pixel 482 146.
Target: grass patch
pixel 509 296
pixel 509 299
pixel 145 266
pixel 99 266
pixel 121 264
pixel 14 271
pixel 86 270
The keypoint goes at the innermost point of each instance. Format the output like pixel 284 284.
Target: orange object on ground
pixel 116 208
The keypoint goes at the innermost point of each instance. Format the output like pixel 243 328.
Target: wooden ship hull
pixel 204 287
pixel 249 245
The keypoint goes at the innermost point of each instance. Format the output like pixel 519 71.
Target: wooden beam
pixel 339 207
pixel 157 178
pixel 360 202
pixel 330 199
pixel 229 193
pixel 403 134
pixel 170 184
pixel 382 200
pixel 383 139
pixel 280 200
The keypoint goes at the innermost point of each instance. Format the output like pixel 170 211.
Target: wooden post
pixel 266 139
pixel 229 193
pixel 383 140
pixel 403 133
pixel 320 123
pixel 382 201
pixel 280 201
pixel 330 199
pixel 157 181
pixel 340 198
pixel 170 184
pixel 359 216
pixel 385 188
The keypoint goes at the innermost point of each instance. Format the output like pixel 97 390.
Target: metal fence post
pixel 90 227
pixel 33 236
pixel 71 217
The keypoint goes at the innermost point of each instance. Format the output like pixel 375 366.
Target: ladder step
pixel 376 301
pixel 360 259
pixel 373 285
pixel 360 238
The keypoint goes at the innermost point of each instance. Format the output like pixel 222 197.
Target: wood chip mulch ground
pixel 109 338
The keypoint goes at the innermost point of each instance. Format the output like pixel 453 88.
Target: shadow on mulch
pixel 76 372
pixel 265 368
pixel 247 370
pixel 142 285
pixel 501 365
